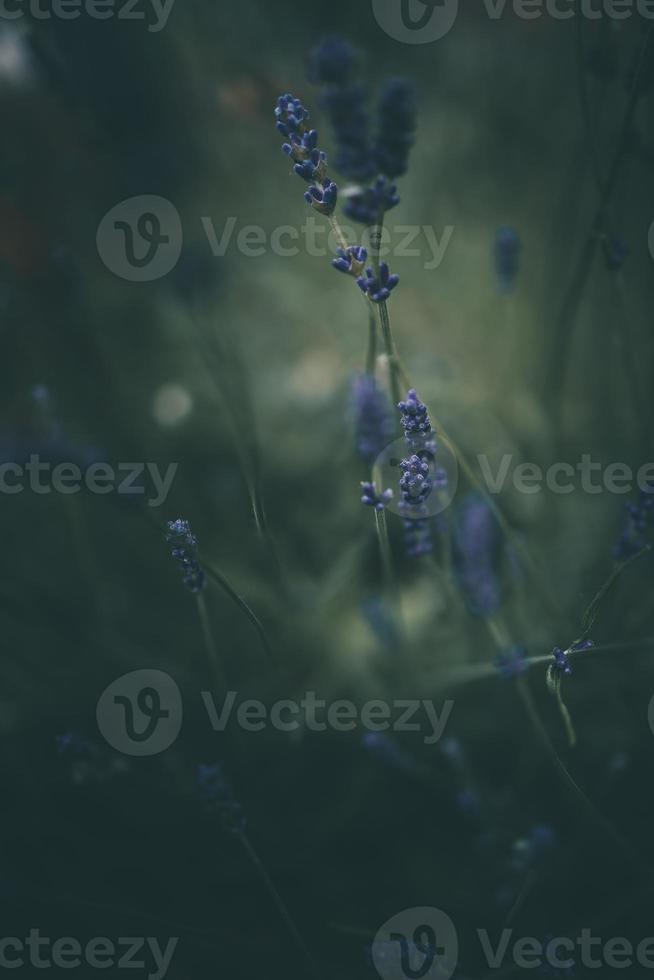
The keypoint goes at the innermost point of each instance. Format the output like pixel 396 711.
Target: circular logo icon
pixel 140 713
pixel 141 238
pixel 417 943
pixel 650 714
pixel 416 21
pixel 422 473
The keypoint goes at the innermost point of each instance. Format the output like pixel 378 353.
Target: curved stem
pixel 243 605
pixel 279 904
pixel 555 374
pixel 210 643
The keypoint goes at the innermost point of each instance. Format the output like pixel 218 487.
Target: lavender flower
pixel 378 287
pixel 380 620
pixel 73 742
pixel 184 550
pixel 333 65
pixel 512 662
pixel 310 163
pixel 397 123
pixel 561 665
pixel 332 61
pixel 371 498
pixel 387 750
pixel 351 260
pixel 554 971
pixel 417 538
pixel 419 475
pixel 414 416
pixel 218 798
pixel 367 206
pixel 507 251
pixel 372 418
pixel 639 519
pixel 616 252
pixel 291 117
pixel 476 556
pixel 324 198
pixel 414 482
pixel 536 846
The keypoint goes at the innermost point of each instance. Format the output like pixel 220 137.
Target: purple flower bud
pixel 370 497
pixel 378 287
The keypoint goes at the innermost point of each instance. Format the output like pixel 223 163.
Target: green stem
pixel 371 353
pixel 279 904
pixel 243 605
pixel 210 643
pixel 384 545
pixel 555 375
pixel 338 232
pixel 391 353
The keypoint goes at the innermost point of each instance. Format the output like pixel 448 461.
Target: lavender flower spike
pixel 507 251
pixel 415 418
pixel 370 497
pixel 373 421
pixel 310 163
pixel 378 288
pixel 417 538
pixel 367 206
pixel 218 797
pixel 561 665
pixel 184 550
pixel 397 123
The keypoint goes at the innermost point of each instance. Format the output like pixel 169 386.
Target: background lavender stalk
pixel 555 376
pixel 210 642
pixel 384 318
pixel 87 564
pixel 614 252
pixel 184 551
pixel 244 606
pixel 219 799
pixel 234 395
pixel 205 566
pixel 280 905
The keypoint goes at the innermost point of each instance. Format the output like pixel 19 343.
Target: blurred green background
pixel 236 366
